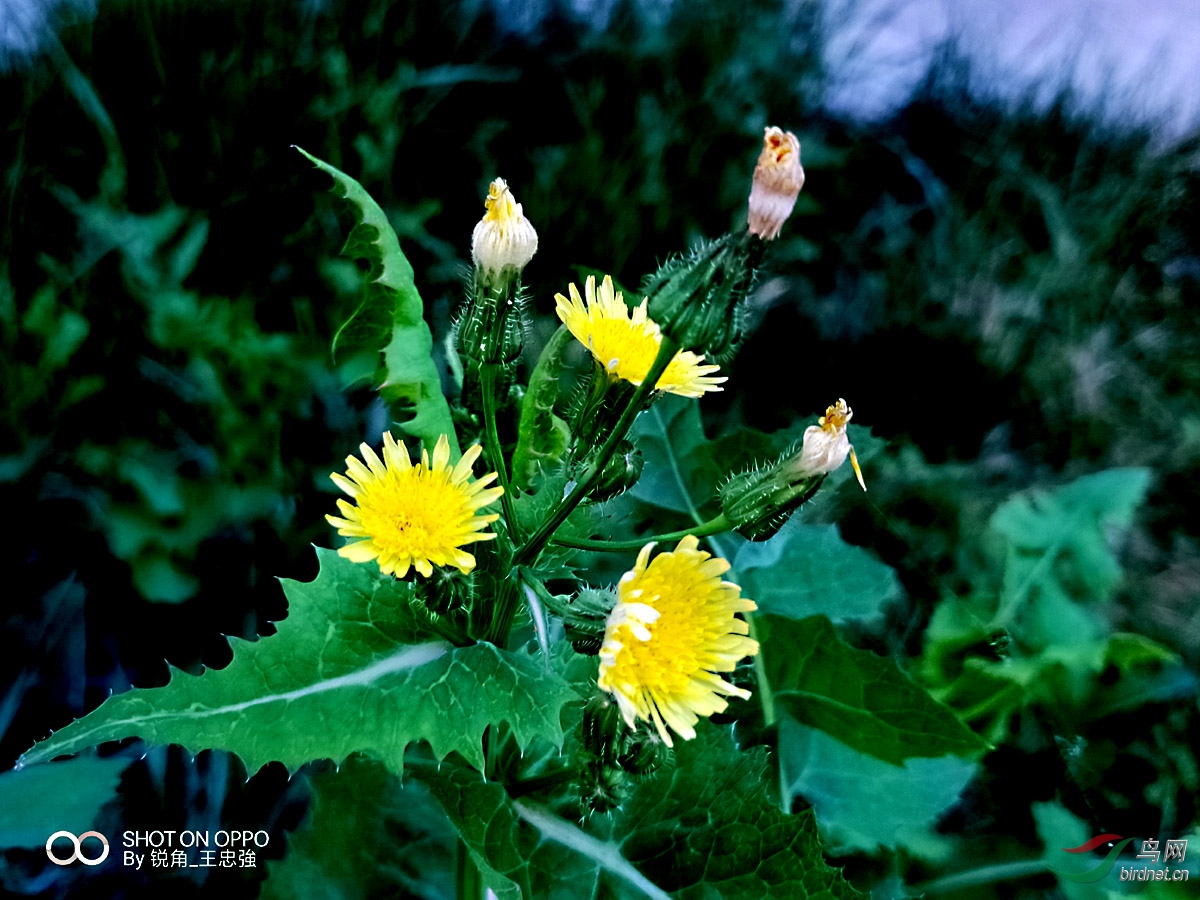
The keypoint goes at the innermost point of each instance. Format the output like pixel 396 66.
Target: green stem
pixel 505 609
pixel 766 694
pixel 491 441
pixel 712 526
pixel 532 547
pixel 973 878
pixel 524 786
pixel 468 884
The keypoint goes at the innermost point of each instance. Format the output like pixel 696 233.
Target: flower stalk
pixel 537 541
pixel 490 334
pixel 489 383
pixel 713 526
pixel 673 629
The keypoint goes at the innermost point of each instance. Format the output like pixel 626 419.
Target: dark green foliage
pixel 35 803
pixel 1007 296
pixel 865 702
pixel 824 575
pixel 367 834
pixel 356 667
pixel 705 828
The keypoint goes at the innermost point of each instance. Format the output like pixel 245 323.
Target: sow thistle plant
pixel 581 740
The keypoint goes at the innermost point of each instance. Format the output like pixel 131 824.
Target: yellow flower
pixel 826 446
pixel 626 347
pixel 778 178
pixel 504 241
pixel 672 628
pixel 416 516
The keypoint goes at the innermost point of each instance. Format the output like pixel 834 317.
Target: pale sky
pixel 1132 58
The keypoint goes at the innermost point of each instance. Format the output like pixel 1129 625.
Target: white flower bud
pixel 826 446
pixel 504 241
pixel 778 178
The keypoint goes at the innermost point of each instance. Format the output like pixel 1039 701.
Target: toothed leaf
pixel 352 669
pixel 705 828
pixel 390 319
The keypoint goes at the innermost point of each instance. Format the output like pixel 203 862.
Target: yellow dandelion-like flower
pixel 626 346
pixel 672 628
pixel 418 516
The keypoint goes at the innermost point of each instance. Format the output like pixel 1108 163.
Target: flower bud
pixel 584 617
pixel 622 471
pixel 504 242
pixel 446 591
pixel 613 756
pixel 758 503
pixel 778 178
pixel 487 331
pixel 697 300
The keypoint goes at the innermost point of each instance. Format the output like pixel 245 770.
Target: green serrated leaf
pixel 390 319
pixel 513 857
pixel 1058 554
pixel 680 472
pixel 861 699
pixel 709 828
pixel 808 569
pixel 706 828
pixel 863 803
pixel 352 669
pixel 36 802
pixel 368 836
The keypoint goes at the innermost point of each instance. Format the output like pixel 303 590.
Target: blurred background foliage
pixel 1005 296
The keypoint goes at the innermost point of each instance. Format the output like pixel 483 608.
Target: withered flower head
pixel 778 178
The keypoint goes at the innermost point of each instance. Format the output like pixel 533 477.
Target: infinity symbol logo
pixel 78 853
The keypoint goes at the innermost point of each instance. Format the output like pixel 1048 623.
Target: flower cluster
pixel 675 628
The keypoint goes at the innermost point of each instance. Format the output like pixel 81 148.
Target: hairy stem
pixel 712 526
pixel 532 547
pixel 491 442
